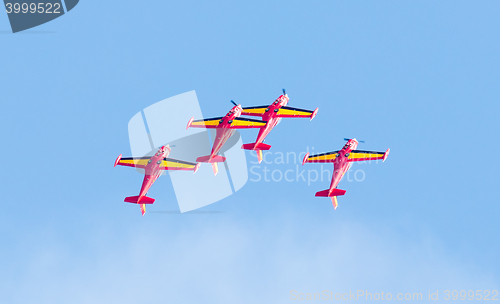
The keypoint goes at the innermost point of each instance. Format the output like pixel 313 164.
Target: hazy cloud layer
pixel 228 261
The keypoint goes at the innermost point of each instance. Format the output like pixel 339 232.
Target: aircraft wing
pixel 205 123
pixel 138 162
pixel 254 111
pixel 359 155
pixel 320 158
pixel 236 123
pixel 175 164
pixel 295 112
pixel 244 123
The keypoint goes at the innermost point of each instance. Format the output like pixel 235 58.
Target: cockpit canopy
pixel 348 144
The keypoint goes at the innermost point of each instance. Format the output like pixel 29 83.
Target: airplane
pixel 153 165
pixel 225 127
pixel 342 161
pixel 272 115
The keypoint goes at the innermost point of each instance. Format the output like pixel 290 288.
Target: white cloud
pixel 229 261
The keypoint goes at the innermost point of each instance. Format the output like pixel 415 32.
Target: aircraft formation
pixel 225 126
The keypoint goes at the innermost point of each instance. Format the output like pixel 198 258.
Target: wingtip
pixel 385 155
pixel 118 160
pixel 315 112
pixel 190 122
pixel 305 158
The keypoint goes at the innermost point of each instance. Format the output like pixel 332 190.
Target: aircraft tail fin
pixel 135 200
pixel 215 159
pixel 328 193
pixel 259 155
pixel 256 146
pixel 333 194
pixel 141 201
pixel 334 202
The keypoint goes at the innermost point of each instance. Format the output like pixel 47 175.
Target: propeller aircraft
pixel 342 161
pixel 225 127
pixel 272 115
pixel 153 166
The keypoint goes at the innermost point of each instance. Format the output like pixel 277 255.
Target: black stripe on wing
pixel 259 107
pixel 249 119
pixel 368 152
pixel 179 161
pixel 296 109
pixel 208 119
pixel 322 154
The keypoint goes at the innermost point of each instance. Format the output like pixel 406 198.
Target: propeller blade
pixel 284 93
pixel 360 141
pixel 234 102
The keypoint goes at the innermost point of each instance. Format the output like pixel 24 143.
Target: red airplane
pixel 272 115
pixel 153 166
pixel 225 127
pixel 342 161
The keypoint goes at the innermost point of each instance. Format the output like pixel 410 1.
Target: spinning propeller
pixel 360 141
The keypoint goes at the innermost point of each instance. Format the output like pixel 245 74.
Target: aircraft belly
pixel 221 137
pixel 146 184
pixel 338 172
pixel 265 131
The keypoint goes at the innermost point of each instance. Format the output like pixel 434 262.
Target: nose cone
pixel 165 149
pixel 238 109
pixel 285 100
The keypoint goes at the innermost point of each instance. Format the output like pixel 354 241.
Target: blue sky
pixel 419 77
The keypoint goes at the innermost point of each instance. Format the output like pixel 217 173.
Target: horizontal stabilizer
pixel 215 159
pixel 334 192
pixel 254 146
pixel 144 200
